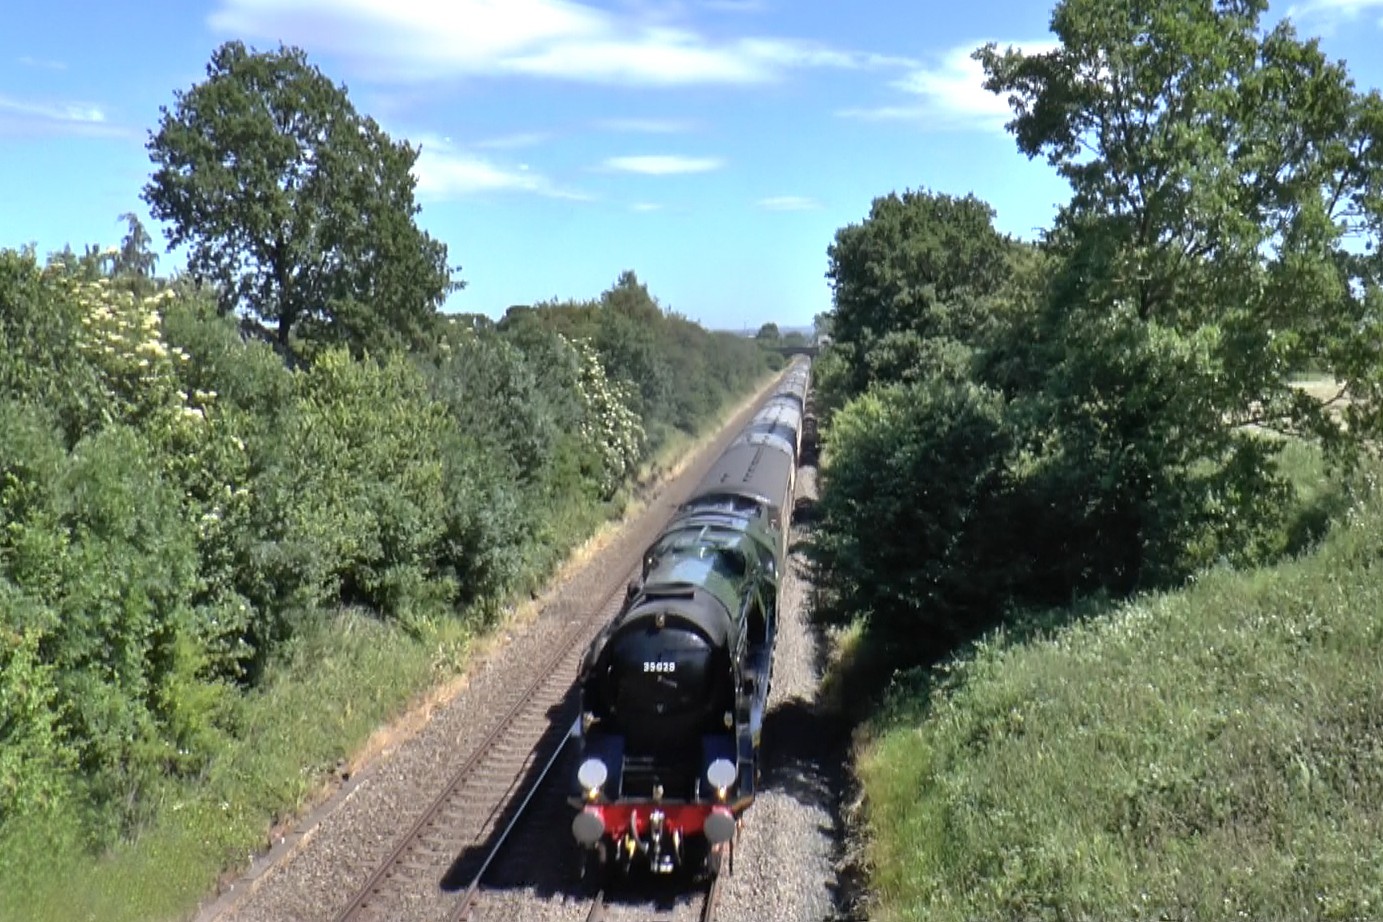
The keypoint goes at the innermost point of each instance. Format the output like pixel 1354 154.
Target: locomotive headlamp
pixel 588 826
pixel 721 774
pixel 591 776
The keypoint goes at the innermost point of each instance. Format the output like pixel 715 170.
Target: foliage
pixel 491 391
pixel 922 263
pixel 1142 349
pixel 40 358
pixel 134 258
pixel 678 373
pixel 298 209
pixel 909 513
pixel 609 423
pixel 1201 262
pixel 351 503
pixel 98 567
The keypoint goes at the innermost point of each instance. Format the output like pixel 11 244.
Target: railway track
pixel 457 837
pixel 704 908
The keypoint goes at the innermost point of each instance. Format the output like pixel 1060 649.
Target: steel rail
pixel 708 908
pixel 467 902
pixel 367 893
pixel 597 913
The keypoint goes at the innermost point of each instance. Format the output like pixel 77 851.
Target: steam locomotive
pixel 673 690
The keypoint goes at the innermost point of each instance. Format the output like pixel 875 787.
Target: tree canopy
pixel 299 210
pixel 1221 238
pixel 918 268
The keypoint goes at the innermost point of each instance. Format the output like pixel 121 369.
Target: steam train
pixel 674 688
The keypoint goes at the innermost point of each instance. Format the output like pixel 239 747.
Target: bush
pixel 1209 753
pixel 350 504
pixel 910 510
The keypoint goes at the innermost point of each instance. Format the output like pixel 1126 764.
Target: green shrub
pixel 36 759
pixel 349 495
pixel 41 360
pixel 910 532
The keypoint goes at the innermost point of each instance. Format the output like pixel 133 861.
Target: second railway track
pixel 447 847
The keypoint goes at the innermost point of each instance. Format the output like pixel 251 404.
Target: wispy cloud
pixel 663 164
pixel 42 63
pixel 79 113
pixel 949 94
pixel 646 125
pixel 27 118
pixel 788 203
pixel 445 171
pixel 1327 14
pixel 559 39
pixel 645 206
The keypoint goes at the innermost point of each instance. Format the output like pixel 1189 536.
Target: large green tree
pixel 918 271
pixel 1217 171
pixel 297 208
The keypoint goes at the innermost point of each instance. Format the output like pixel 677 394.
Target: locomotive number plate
pixel 660 667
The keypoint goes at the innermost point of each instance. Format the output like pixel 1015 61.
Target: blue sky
pixel 712 146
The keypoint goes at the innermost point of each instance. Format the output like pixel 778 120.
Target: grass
pixel 347 674
pixel 1210 753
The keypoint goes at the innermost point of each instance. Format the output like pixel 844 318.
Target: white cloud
pixel 560 39
pixel 658 57
pixel 444 171
pixel 645 206
pixel 951 94
pixel 77 113
pixel 788 203
pixel 1331 13
pixel 22 118
pixel 663 164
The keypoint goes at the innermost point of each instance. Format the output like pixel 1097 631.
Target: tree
pixel 912 534
pixel 134 256
pixel 821 326
pixel 768 334
pixel 1216 171
pixel 921 262
pixel 298 209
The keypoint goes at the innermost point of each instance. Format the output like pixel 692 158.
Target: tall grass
pixel 1210 753
pixel 343 677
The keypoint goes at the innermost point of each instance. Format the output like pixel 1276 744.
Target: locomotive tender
pixel 674 689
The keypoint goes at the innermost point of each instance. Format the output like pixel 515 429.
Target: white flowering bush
pixel 121 338
pixel 140 375
pixel 610 426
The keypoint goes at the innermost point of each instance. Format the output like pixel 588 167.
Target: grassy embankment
pixel 339 681
pixel 1210 753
